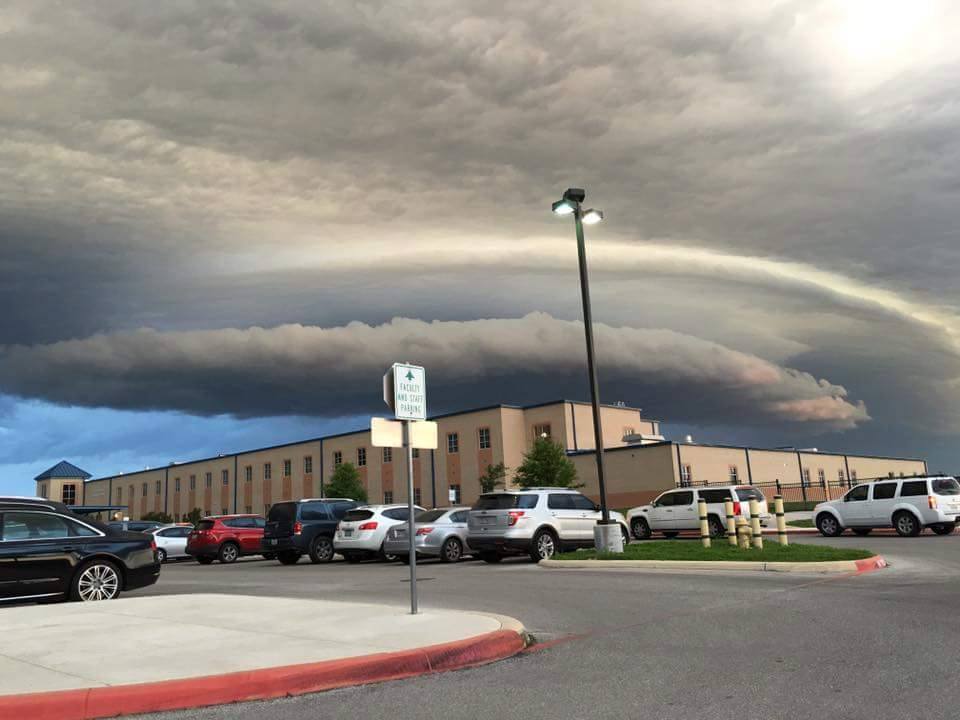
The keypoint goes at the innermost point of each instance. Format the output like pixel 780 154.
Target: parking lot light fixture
pixel 592 217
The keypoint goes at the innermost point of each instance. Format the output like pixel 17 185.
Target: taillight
pixel 153 545
pixel 932 502
pixel 736 508
pixel 514 515
pixel 424 530
pixel 297 528
pixel 368 526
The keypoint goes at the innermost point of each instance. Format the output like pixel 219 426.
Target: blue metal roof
pixel 63 469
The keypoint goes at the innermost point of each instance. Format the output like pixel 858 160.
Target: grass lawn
pixel 679 550
pixel 800 523
pixel 795 506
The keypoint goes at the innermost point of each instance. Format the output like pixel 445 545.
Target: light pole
pixel 606 534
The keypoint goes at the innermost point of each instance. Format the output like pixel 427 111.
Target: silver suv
pixel 538 522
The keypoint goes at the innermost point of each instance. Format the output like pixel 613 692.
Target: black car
pixel 135 525
pixel 48 552
pixel 304 527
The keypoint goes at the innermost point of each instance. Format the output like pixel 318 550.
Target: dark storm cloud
pixel 217 164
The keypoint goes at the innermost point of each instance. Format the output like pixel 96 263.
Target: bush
pixel 345 483
pixel 546 465
pixel 494 477
pixel 161 517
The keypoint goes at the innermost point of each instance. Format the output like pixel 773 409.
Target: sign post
pixel 405 393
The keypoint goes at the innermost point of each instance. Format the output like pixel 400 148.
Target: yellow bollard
pixel 731 523
pixel 743 533
pixel 755 524
pixel 704 525
pixel 781 520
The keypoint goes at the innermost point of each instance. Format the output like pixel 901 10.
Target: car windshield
pixel 946 486
pixel 504 501
pixel 283 512
pixel 750 493
pixel 430 516
pixel 357 515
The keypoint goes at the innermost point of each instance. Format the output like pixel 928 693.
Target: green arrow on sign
pixel 409 375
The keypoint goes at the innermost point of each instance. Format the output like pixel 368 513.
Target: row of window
pixel 733 475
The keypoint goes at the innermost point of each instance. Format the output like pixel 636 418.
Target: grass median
pixel 800 523
pixel 694 551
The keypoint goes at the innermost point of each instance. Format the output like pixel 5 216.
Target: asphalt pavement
pixel 650 644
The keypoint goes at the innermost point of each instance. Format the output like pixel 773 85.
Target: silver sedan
pixel 439 533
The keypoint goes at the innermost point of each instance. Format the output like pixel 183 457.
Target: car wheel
pixel 716 527
pixel 205 560
pixel 640 528
pixel 490 557
pixel 828 525
pixel 385 556
pixel 906 524
pixel 451 551
pixel 944 528
pixel 288 558
pixel 161 555
pixel 862 531
pixel 98 580
pixel 545 545
pixel 229 552
pixel 321 550
pixel 670 534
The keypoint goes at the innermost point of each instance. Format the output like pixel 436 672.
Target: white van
pixel 677 510
pixel 907 504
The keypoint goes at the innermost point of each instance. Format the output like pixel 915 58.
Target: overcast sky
pixel 221 221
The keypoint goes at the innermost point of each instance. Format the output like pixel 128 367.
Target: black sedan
pixel 47 553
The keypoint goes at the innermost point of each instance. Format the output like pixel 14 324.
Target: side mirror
pixel 596 508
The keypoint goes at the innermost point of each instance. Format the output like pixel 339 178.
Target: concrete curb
pixel 266 683
pixel 834 566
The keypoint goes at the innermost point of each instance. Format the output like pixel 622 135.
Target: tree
pixel 158 517
pixel 194 516
pixel 494 477
pixel 345 483
pixel 546 465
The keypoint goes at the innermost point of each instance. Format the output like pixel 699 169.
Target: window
pixel 853 476
pixel 287 468
pixel 119 494
pixel 560 501
pixel 913 488
pixel 840 475
pixel 225 477
pixel 361 457
pixel 208 480
pixel 629 431
pixel 416 453
pixel 224 511
pixel 248 473
pixel 396 513
pixel 144 488
pixel 455 489
pixel 460 517
pixel 33 526
pixel 505 501
pixel 666 500
pixel 945 486
pixel 822 476
pixel 337 458
pixel 483 435
pixel 733 475
pixel 176 484
pixel 387 497
pixel 805 477
pixel 683 498
pixel 453 443
pixel 686 475
pixel 902 475
pixel 388 455
pixel 884 491
pixel 416 496
pixel 857 494
pixel 158 488
pixel 193 482
pixel 267 471
pixel 308 465
pixel 581 502
pixel 313 511
pixel 542 431
pixel 208 512
pixel 715 496
pixel 248 508
pixel 69 494
pixel 890 475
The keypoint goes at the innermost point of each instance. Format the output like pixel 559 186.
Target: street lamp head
pixel 563 207
pixel 577 195
pixel 592 217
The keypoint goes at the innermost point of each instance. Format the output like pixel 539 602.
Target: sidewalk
pixel 86 660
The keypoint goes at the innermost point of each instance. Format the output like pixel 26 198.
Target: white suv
pixel 677 510
pixel 908 504
pixel 538 522
pixel 361 532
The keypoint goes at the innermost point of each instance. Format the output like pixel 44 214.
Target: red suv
pixel 225 538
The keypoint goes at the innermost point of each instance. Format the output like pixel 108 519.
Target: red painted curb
pixel 877 562
pixel 100 702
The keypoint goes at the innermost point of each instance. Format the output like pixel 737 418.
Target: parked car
pixel 363 530
pixel 304 527
pixel 538 522
pixel 909 505
pixel 135 525
pixel 47 552
pixel 677 510
pixel 440 533
pixel 225 538
pixel 171 540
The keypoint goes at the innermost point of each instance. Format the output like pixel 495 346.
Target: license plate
pixel 271 542
pixel 347 533
pixel 487 520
